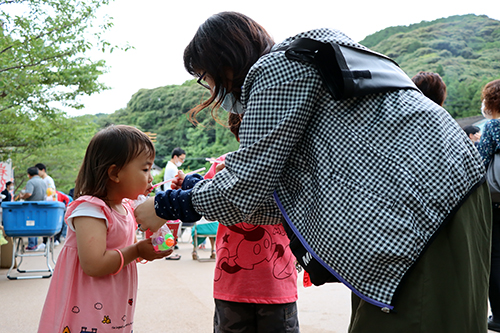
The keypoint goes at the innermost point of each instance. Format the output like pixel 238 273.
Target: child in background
pixel 95 280
pixel 248 258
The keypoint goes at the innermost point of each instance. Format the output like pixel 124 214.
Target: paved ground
pixel 174 296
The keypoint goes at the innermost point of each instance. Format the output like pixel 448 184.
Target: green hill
pixel 464 50
pixel 164 111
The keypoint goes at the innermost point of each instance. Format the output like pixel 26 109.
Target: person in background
pixel 9 187
pixel 172 167
pixel 474 133
pixel 51 186
pixel 431 85
pixel 51 194
pixel 489 145
pixel 36 190
pixel 66 199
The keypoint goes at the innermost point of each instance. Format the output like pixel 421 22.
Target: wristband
pixel 121 262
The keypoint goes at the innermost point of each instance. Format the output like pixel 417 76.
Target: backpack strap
pixel 348 71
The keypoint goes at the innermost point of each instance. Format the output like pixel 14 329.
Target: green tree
pixel 43 67
pixel 62 155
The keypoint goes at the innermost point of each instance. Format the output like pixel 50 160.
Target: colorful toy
pixel 163 239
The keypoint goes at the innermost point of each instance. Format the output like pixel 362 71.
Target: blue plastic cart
pixel 32 219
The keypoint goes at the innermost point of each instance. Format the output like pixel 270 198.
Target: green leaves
pixel 43 67
pixel 42 46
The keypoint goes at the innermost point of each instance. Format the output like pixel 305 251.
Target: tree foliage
pixel 43 66
pixel 62 154
pixel 42 47
pixel 464 50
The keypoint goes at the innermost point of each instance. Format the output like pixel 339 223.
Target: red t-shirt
pixel 254 263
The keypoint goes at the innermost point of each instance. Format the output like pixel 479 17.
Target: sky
pixel 159 30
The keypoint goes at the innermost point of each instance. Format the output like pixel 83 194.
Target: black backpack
pixel 348 71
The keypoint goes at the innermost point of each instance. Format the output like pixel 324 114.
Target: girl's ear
pixel 113 173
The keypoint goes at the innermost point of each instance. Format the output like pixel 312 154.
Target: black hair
pixel 40 166
pixel 33 171
pixel 471 130
pixel 178 152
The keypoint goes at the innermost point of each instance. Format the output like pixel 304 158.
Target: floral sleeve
pixel 490 141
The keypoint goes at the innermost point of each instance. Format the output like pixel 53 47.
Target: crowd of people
pixel 406 222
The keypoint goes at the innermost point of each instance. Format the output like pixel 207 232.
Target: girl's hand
pixel 145 215
pixel 179 179
pixel 146 251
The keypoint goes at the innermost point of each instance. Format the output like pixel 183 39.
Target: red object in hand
pixel 307 281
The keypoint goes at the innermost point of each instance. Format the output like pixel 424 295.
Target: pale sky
pixel 160 30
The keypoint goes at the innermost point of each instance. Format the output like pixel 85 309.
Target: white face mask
pixel 11 188
pixel 178 164
pixel 230 104
pixel 487 116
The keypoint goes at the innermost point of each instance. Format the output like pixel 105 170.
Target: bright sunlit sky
pixel 160 30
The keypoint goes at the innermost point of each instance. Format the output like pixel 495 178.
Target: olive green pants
pixel 447 290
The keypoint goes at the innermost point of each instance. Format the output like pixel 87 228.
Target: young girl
pixel 94 286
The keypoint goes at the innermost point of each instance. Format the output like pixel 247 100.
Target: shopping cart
pixel 32 219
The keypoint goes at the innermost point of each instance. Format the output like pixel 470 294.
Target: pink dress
pixel 78 303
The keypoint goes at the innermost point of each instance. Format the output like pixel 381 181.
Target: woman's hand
pixel 145 215
pixel 146 251
pixel 220 166
pixel 177 182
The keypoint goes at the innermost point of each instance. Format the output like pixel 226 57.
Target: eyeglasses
pixel 203 83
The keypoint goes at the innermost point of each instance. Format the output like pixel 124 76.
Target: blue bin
pixel 32 218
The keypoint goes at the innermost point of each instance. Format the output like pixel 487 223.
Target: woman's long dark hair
pixel 226 41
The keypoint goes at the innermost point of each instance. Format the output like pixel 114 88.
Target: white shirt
pixel 170 172
pixel 50 182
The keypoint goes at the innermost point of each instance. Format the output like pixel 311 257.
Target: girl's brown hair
pixel 116 145
pixel 225 42
pixel 491 97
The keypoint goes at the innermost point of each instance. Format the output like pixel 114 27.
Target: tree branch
pixel 35 64
pixel 7 107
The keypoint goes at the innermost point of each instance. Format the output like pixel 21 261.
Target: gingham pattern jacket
pixel 366 181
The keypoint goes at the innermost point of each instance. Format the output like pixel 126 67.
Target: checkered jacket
pixel 366 181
